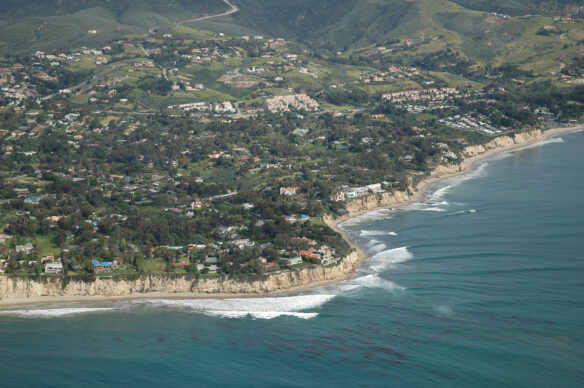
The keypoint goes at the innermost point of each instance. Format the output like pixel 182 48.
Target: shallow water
pixel 481 285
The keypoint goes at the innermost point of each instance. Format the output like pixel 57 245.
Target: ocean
pixel 481 285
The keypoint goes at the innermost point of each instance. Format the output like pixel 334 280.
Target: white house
pixel 54 268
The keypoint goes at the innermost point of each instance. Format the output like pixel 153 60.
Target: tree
pixel 139 262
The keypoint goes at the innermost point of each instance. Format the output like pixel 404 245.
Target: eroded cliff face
pixel 374 201
pixel 25 288
pixel 504 141
pixel 285 280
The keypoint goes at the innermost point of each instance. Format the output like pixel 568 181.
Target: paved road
pixel 232 10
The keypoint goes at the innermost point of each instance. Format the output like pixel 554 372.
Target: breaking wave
pixel 541 143
pixel 258 308
pixel 372 243
pixel 376 233
pixel 374 281
pixel 433 209
pixel 461 212
pixel 375 215
pixel 53 313
pixel 438 194
pixel 377 248
pixel 385 259
pixel 373 233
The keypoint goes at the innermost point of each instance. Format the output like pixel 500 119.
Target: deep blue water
pixel 481 286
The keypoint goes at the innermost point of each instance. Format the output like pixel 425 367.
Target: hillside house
pixel 288 190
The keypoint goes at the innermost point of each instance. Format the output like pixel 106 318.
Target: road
pixel 232 10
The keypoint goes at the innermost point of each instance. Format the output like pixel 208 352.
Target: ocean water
pixel 481 285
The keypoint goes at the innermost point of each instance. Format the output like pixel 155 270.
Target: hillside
pixel 40 25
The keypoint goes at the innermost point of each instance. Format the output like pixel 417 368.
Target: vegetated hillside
pixel 522 7
pixel 430 26
pixel 339 23
pixel 27 25
pixel 344 23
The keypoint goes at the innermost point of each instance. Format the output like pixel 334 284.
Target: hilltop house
pixel 288 190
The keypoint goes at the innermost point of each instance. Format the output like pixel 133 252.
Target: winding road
pixel 232 10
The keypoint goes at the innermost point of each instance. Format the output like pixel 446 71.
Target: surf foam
pixel 433 209
pixel 377 248
pixel 385 259
pixel 52 313
pixel 374 281
pixel 259 308
pixel 374 215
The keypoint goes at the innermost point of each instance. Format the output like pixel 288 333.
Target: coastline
pixel 297 283
pixel 468 165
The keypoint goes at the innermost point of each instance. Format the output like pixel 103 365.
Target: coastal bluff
pixel 21 289
pixel 17 288
pixel 469 155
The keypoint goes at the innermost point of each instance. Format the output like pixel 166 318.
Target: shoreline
pixel 468 164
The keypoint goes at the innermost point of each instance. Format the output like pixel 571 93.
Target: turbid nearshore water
pixel 13 293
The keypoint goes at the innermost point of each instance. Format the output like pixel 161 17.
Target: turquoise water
pixel 481 286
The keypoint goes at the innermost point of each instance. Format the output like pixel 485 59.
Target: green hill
pixel 27 25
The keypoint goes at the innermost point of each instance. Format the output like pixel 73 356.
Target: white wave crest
pixel 377 248
pixel 541 143
pixel 438 194
pixel 372 243
pixel 374 281
pixel 52 313
pixel 374 215
pixel 259 308
pixel 372 232
pixel 384 259
pixel 461 212
pixel 258 314
pixel 433 209
pixel 376 233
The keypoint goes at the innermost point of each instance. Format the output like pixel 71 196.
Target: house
pixel 54 268
pixel 211 260
pixel 104 266
pixel 292 260
pixel 182 265
pixel 270 265
pixel 25 248
pixel 376 187
pixel 288 190
pixel 337 197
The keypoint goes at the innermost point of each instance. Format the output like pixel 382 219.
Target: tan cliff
pixel 469 154
pixel 16 288
pixel 20 289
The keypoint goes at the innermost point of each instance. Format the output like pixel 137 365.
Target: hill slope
pixel 27 25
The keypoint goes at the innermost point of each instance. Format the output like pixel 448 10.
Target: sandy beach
pixel 418 195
